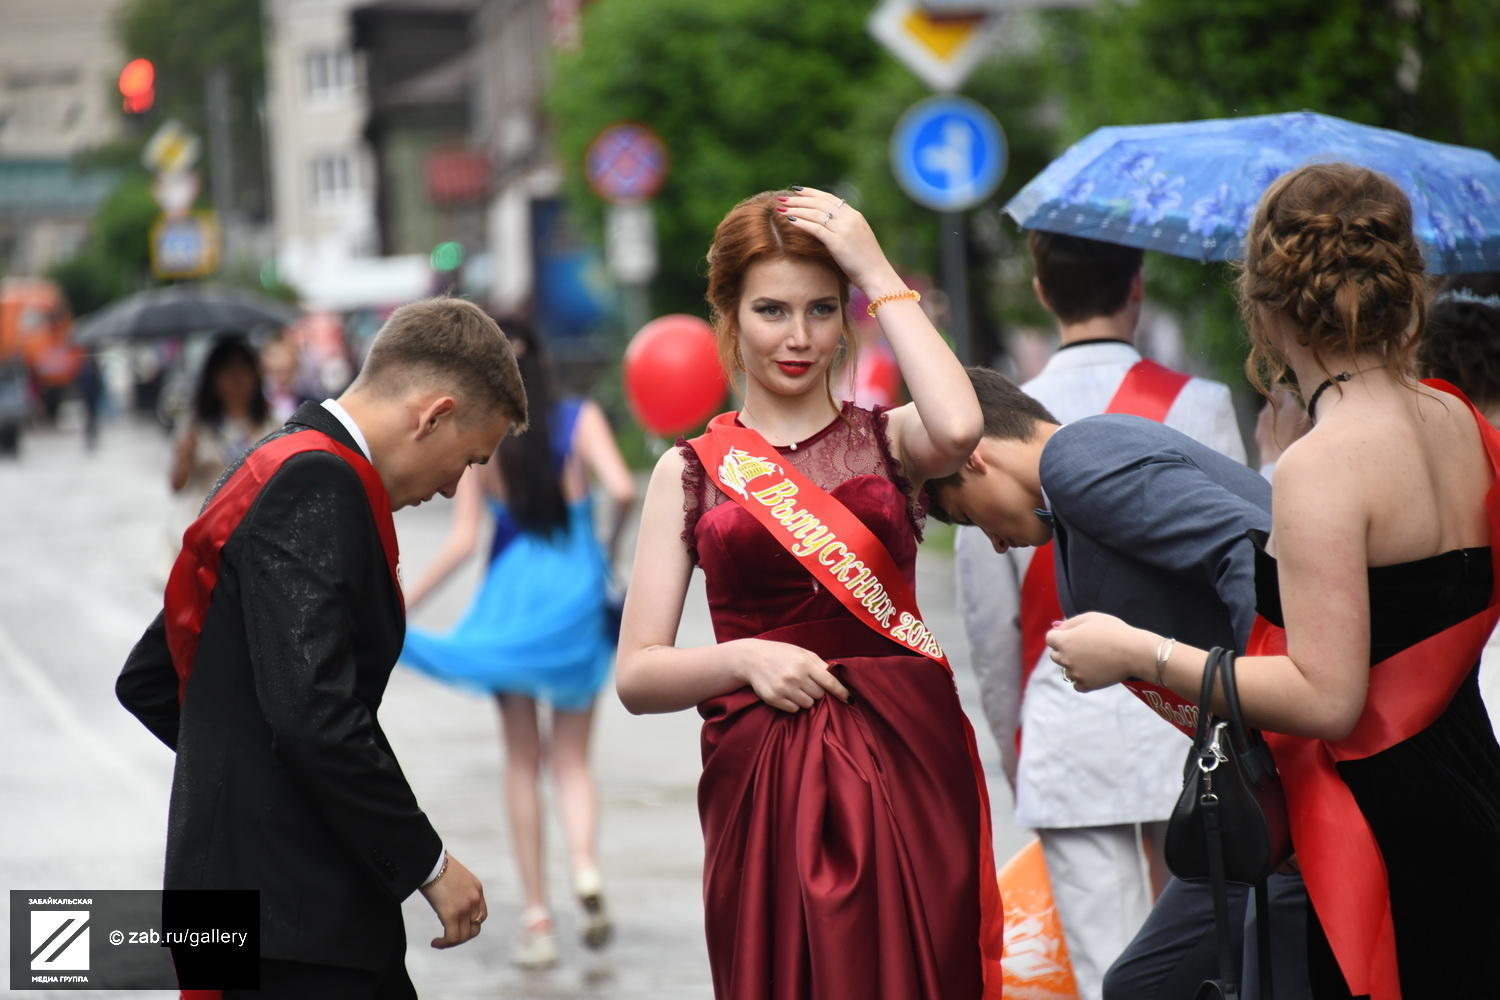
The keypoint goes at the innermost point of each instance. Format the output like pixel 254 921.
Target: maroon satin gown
pixel 841 842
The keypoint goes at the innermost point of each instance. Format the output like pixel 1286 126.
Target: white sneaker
pixel 597 927
pixel 536 945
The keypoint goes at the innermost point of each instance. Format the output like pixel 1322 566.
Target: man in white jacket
pixel 1096 777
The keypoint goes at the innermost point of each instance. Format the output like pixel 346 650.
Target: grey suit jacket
pixel 1150 526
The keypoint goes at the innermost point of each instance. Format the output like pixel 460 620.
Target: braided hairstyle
pixel 1462 341
pixel 1331 256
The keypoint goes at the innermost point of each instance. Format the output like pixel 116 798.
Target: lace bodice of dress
pixel 753 584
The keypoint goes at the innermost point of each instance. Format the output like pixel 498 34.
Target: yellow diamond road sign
pixel 942 50
pixel 172 147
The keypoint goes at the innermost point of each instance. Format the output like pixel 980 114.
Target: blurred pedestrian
pixel 229 414
pixel 89 384
pixel 1377 590
pixel 540 627
pixel 281 624
pixel 282 364
pixel 846 829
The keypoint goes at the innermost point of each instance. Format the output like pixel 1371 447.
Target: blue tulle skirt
pixel 537 625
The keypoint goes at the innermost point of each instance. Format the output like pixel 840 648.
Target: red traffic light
pixel 137 81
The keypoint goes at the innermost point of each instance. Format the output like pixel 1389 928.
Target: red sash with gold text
pixel 1340 859
pixel 843 555
pixel 1148 390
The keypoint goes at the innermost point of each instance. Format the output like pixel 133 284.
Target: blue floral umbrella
pixel 1189 188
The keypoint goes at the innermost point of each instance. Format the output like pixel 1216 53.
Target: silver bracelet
pixel 1163 653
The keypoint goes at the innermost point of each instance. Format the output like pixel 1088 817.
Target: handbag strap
pixel 1213 820
pixel 1206 696
pixel 1239 732
pixel 1263 937
pixel 1213 826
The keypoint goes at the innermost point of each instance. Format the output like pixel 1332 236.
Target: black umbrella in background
pixel 182 309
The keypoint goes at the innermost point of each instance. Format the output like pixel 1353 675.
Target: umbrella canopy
pixel 182 309
pixel 1190 188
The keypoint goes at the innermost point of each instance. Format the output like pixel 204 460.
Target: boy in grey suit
pixel 1149 525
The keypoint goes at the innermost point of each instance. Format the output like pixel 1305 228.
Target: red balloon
pixel 673 378
pixel 877 380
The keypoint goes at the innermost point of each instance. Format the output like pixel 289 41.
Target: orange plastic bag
pixel 1035 960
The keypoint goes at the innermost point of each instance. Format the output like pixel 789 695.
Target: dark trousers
pixel 1177 949
pixel 304 981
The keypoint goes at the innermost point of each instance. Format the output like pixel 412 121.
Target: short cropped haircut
pixel 1009 415
pixel 1083 278
pixel 452 343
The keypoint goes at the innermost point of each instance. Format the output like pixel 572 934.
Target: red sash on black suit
pixel 191 583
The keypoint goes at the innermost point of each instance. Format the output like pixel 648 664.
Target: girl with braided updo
pixel 1376 592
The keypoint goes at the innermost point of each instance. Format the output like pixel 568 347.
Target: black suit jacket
pixel 1151 526
pixel 284 781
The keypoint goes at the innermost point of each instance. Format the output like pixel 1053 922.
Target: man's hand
pixel 458 899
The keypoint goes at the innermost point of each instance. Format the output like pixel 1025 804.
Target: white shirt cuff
pixel 432 876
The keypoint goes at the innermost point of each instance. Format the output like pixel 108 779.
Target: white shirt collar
pixel 333 406
pixel 1087 355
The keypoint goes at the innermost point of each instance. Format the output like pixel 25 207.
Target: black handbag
pixel 1230 823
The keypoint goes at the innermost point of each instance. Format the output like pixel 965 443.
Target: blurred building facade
pixel 322 177
pixel 58 65
pixel 512 39
pixel 537 265
pixel 429 182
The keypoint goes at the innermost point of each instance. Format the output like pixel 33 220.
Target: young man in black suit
pixel 282 621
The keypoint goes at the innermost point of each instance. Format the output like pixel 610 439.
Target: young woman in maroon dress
pixel 843 822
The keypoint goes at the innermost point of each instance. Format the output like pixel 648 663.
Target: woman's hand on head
pixel 1095 650
pixel 847 235
pixel 785 676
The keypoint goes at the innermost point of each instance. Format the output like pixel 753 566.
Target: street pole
pixel 220 144
pixel 637 306
pixel 956 282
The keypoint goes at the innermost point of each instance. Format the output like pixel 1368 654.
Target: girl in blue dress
pixel 539 629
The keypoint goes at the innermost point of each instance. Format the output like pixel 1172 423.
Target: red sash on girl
pixel 844 556
pixel 191 583
pixel 1148 390
pixel 1340 859
pixel 190 586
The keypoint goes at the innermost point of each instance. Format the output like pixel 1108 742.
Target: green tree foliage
pixel 747 95
pixel 116 260
pixel 187 42
pixel 1428 67
pixel 750 95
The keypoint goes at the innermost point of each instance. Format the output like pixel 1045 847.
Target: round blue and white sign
pixel 948 153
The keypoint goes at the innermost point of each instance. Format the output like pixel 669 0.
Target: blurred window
pixel 329 73
pixel 332 178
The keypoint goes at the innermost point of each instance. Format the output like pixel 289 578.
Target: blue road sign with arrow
pixel 948 153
